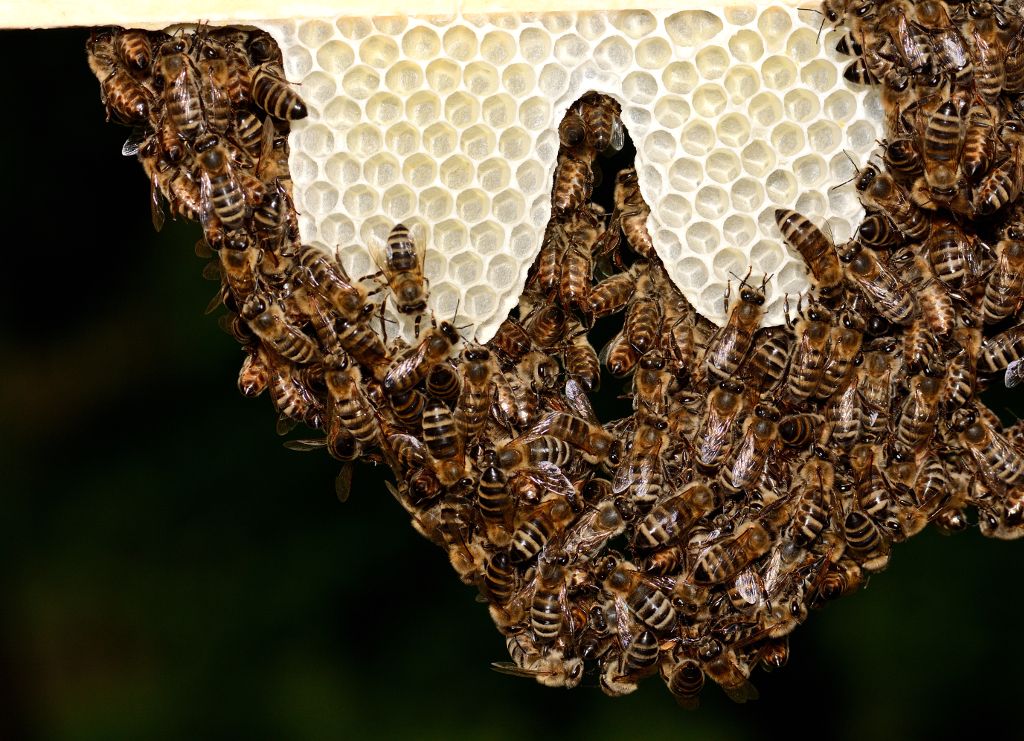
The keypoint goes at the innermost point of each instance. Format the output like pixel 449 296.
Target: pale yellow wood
pixel 161 13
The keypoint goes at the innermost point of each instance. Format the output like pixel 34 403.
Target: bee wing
pixel 552 478
pixel 408 364
pixel 1014 374
pixel 623 475
pixel 579 401
pixel 266 147
pixel 618 137
pixel 285 424
pixel 207 216
pixel 156 206
pixel 748 585
pixel 133 143
pixel 343 483
pixel 305 445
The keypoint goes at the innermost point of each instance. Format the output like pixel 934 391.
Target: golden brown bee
pixel 670 520
pixel 592 441
pixel 724 558
pixel 442 441
pixel 547 609
pixel 916 423
pixel 999 351
pixel 641 474
pixel 581 362
pixel 531 451
pixel 177 78
pixel 878 284
pixel 511 341
pixel 574 180
pixel 645 601
pixel 326 276
pixel 714 438
pixel 254 375
pixel 633 213
pixel 126 99
pixel 816 249
pixel 548 272
pixel 612 294
pixel 810 354
pixel 843 414
pixel 347 409
pixel 293 399
pixel 363 344
pixel 1004 288
pixel 498 580
pixel 685 680
pixel 842 578
pixel 979 143
pixel 552 668
pixel 951 254
pixel 813 489
pixel 537 529
pixel 876 391
pixel 758 440
pixel 642 325
pixel 435 347
pixel 845 345
pixel 443 382
pixel 989 67
pixel 959 382
pixel 401 263
pixel 619 356
pixel 271 93
pixel 221 193
pixel 572 131
pixel 995 458
pixel 880 192
pixel 474 399
pixel 726 351
pixel 591 532
pixel 546 325
pixel 865 542
pixel 650 385
pixel 213 74
pixel 577 266
pixel 267 319
pixel 600 113
pixel 877 231
pixel 902 159
pixel 1000 186
pixel 134 49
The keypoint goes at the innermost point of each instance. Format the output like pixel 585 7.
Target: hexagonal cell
pixel 819 75
pixel 802 46
pixel 758 158
pixel 320 198
pixel 354 27
pixel 523 243
pixel 570 50
pixel 481 301
pixel 788 139
pixel 360 82
pixel 314 33
pixel 841 229
pixel 390 25
pixel 691 272
pixel 811 204
pixel 671 111
pixel 746 46
pixel 457 172
pixel 766 255
pixel 702 237
pixel 774 24
pixel 434 266
pixel 477 142
pixel 487 237
pixel 778 72
pixel 841 106
pixel 317 140
pixel 747 195
pixel 765 109
pixel 435 203
pixel 713 297
pixel 402 138
pixel 532 178
pixel 404 78
pixel 423 108
pixel 450 236
pixel 419 170
pixel 382 169
pixel 465 268
pixel 680 77
pixel 498 48
pixel 685 174
pixel 636 118
pixel 443 76
pixel 508 207
pixel 556 22
pixel 342 112
pixel 739 230
pixel 692 27
pixel 653 53
pixel 728 262
pixel 540 209
pixel 591 25
pixel 668 244
pixel 515 143
pixel 318 88
pixel 398 202
pixel 378 51
pixel 359 200
pixel 712 62
pixel 674 211
pixel 460 43
pixel 493 174
pixel 634 23
pixel 298 63
pixel 519 79
pixel 709 100
pixel 421 42
pixel 384 108
pixel 613 53
pixel 335 57
pixel 801 105
pixel 445 299
pixel 501 270
pixel 472 205
pixel 697 138
pixel 342 169
pixel 440 139
pixel 723 165
pixel 535 113
pixel 841 169
pixel 824 137
pixel 481 79
pixel 733 130
pixel 337 229
pixel 547 146
pixel 741 83
pixel 711 202
pixel 740 15
pixel 843 201
pixel 534 45
pixel 861 135
pixel 792 278
pixel 781 187
pixel 363 140
pixel 659 146
pixel 461 110
pixel 639 87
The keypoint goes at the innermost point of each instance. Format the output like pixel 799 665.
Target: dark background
pixel 169 570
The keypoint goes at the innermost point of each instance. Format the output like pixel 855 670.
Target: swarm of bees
pixel 763 472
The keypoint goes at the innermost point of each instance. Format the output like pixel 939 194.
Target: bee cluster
pixel 763 471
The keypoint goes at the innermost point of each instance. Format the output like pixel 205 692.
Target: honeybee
pixel 638 658
pixel 726 351
pixel 581 362
pixel 474 400
pixel 1001 185
pixel 328 278
pixel 546 325
pixel 547 609
pixel 511 341
pixel 879 191
pixel 725 557
pixel 443 382
pixel 363 344
pixel 813 487
pixel 293 399
pixel 650 385
pixel 435 347
pixel 903 160
pixel 670 519
pixel 995 458
pixel 538 528
pixel 643 598
pixel 600 113
pixel 267 319
pixel 125 99
pixel 876 231
pixel 727 670
pixel 989 68
pixel 592 441
pixel 1004 288
pixel 347 407
pixel 641 473
pixel 843 414
pixel 865 542
pixel 221 193
pixel 685 680
pixel 807 363
pixel 442 441
pixel 619 356
pixel 642 325
pixel 213 73
pixel 878 284
pixel 574 180
pixel 758 440
pixel 714 438
pixel 548 272
pixel 816 249
pixel 577 266
pixel 979 143
pixel 572 131
pixel 254 374
pixel 498 578
pixel 612 294
pixel 271 93
pixel 552 668
pixel 401 263
pixel 177 79
pixel 999 351
pixel 633 212
pixel 592 530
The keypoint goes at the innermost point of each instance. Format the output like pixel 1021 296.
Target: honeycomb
pixel 449 125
